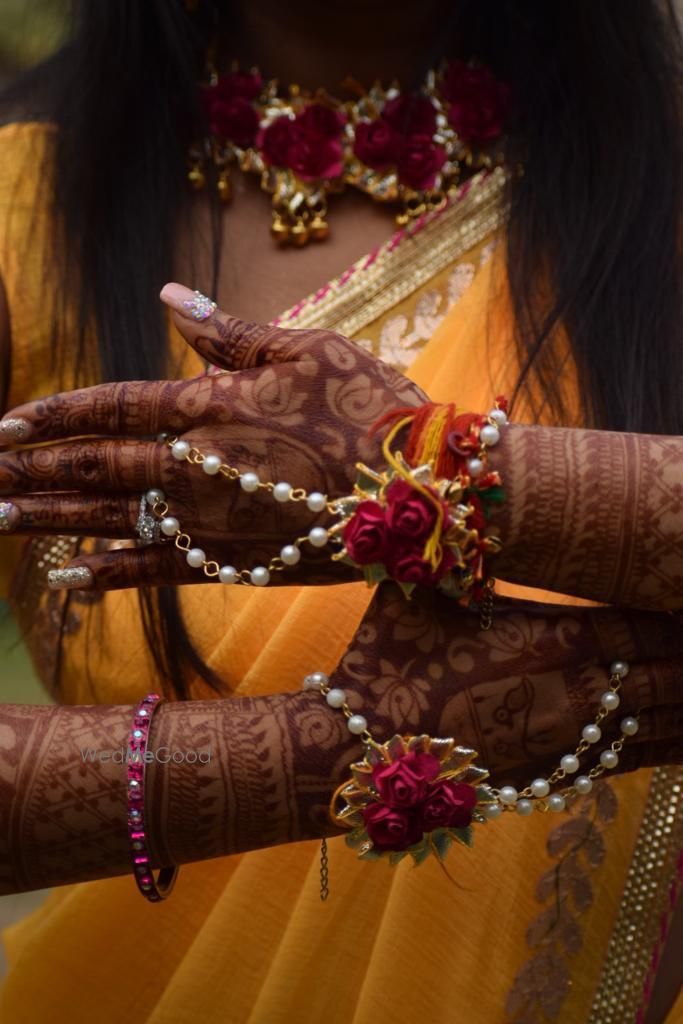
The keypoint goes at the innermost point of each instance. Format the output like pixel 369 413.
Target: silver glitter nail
pixel 200 307
pixel 76 578
pixel 14 429
pixel 6 508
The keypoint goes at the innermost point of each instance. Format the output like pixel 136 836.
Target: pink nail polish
pixel 191 304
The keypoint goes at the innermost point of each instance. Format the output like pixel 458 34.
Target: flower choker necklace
pixel 409 149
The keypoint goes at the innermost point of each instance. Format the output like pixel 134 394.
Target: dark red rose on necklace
pixel 365 535
pixel 312 157
pixel 408 566
pixel 321 122
pixel 410 513
pixel 294 143
pixel 245 84
pixel 410 114
pixel 274 141
pixel 390 828
pixel 479 103
pixel 448 805
pixel 403 783
pixel 420 162
pixel 377 144
pixel 235 120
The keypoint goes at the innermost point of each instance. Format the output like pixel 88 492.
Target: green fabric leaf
pixel 463 835
pixel 442 842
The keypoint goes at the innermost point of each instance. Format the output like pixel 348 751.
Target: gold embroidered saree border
pixel 652 876
pixel 406 262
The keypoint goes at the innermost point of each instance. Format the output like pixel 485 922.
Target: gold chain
pixel 324 876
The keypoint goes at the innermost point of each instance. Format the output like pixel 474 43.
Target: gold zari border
pixel 380 281
pixel 646 898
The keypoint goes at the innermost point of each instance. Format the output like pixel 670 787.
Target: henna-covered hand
pixel 299 410
pixel 519 694
pixel 590 513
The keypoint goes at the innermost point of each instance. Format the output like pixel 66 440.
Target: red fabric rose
pixel 244 84
pixel 365 535
pixel 390 828
pixel 403 783
pixel 420 162
pixel 377 144
pixel 479 103
pixel 448 805
pixel 289 143
pixel 312 157
pixel 274 141
pixel 408 566
pixel 235 120
pixel 320 121
pixel 410 114
pixel 409 513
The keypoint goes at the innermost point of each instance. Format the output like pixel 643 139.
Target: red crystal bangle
pixel 136 760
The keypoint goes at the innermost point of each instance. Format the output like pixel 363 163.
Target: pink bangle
pixel 137 835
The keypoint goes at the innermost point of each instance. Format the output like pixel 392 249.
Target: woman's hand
pixel 298 411
pixel 519 693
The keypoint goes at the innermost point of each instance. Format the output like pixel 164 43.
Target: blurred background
pixel 29 31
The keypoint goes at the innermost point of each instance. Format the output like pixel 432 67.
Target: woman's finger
pixel 80 515
pixel 90 465
pixel 225 340
pixel 131 409
pixel 119 569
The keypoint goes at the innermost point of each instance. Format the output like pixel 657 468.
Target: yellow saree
pixel 246 938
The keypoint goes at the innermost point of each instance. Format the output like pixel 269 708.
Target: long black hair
pixel 595 217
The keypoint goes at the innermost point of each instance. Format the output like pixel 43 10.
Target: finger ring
pixel 147 526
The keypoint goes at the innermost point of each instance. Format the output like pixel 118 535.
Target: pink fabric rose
pixel 365 535
pixel 377 144
pixel 403 783
pixel 408 566
pixel 409 513
pixel 390 828
pixel 448 805
pixel 235 120
pixel 479 103
pixel 410 114
pixel 419 162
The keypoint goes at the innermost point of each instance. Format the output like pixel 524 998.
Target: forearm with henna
pixel 519 694
pixel 593 513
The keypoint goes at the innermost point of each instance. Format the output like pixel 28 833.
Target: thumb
pixel 225 340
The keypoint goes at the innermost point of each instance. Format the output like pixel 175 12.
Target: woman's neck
pixel 317 47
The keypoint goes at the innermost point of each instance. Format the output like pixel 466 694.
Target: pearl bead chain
pixel 336 698
pixel 537 795
pixel 282 492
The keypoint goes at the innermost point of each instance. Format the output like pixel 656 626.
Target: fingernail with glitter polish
pixel 192 305
pixel 77 577
pixel 14 429
pixel 9 517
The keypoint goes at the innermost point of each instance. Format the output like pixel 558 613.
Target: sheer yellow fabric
pixel 246 939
